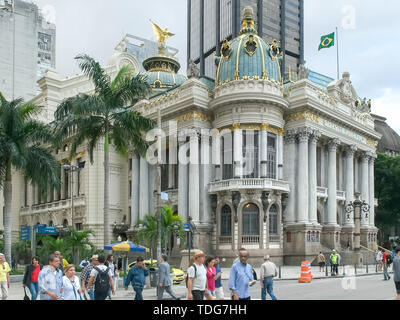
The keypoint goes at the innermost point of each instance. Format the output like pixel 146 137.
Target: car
pixel 179 275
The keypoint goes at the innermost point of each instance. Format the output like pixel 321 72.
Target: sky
pixel 368 38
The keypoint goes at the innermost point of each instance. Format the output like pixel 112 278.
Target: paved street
pixel 350 288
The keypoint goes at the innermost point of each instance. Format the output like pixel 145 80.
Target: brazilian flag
pixel 327 41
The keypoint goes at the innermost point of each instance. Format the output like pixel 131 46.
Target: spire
pixel 248 23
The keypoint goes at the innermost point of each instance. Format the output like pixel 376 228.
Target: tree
pixel 104 115
pixel 387 190
pixel 80 242
pixel 170 225
pixel 49 245
pixel 25 147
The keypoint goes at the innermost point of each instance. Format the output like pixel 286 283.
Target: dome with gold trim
pixel 248 56
pixel 162 72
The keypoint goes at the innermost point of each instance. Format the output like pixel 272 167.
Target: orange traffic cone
pixel 305 276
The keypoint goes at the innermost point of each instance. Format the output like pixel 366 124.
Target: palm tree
pixel 105 115
pixel 49 245
pixel 23 148
pixel 170 225
pixel 79 242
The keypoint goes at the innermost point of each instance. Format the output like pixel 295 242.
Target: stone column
pixel 364 184
pixel 371 178
pixel 205 177
pixel 152 187
pixel 237 151
pixel 332 185
pixel 312 216
pixel 194 179
pixel 183 180
pixel 63 186
pixel 135 189
pixel 263 150
pixel 216 157
pixel 280 156
pixel 144 188
pixel 349 180
pixel 290 175
pixel 303 136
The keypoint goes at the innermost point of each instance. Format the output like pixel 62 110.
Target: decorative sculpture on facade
pixel 161 36
pixel 193 71
pixel 303 72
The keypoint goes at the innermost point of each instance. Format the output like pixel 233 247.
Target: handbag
pixel 26 296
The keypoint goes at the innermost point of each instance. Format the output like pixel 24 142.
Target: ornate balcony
pixel 250 239
pixel 224 240
pixel 53 206
pixel 243 184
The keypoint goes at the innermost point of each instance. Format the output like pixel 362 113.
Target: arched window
pixel 273 220
pixel 51 224
pixel 251 221
pixel 226 222
pixel 65 223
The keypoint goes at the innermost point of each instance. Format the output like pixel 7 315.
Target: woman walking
pixel 71 286
pixel 211 275
pixel 31 277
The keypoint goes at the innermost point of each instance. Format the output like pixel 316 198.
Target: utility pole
pixel 158 184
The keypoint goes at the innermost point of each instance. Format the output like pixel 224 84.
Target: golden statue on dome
pixel 161 36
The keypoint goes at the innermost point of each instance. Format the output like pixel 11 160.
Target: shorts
pixel 219 293
pixel 397 284
pixel 322 264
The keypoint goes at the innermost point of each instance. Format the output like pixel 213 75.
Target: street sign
pixel 25 233
pixel 38 226
pixel 186 227
pixel 48 230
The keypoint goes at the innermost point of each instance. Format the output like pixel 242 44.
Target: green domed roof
pixel 248 56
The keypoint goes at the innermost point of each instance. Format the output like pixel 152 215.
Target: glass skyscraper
pixel 210 22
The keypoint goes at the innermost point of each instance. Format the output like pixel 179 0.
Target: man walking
pixel 85 276
pixel 137 277
pixel 50 280
pixel 267 273
pixel 219 290
pixel 396 272
pixel 321 262
pixel 241 277
pixel 335 263
pixel 197 278
pixel 101 276
pixel 164 281
pixel 4 277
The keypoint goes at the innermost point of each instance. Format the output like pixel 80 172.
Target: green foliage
pixel 22 251
pixel 15 272
pixel 170 225
pixel 387 191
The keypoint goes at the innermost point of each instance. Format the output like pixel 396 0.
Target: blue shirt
pixel 239 279
pixel 50 280
pixel 218 283
pixel 137 277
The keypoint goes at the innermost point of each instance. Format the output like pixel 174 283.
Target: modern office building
pixel 27 50
pixel 210 22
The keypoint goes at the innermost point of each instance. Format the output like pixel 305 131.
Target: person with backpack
pixel 85 276
pixel 137 278
pixel 197 278
pixel 101 276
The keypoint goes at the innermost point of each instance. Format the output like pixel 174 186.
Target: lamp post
pixel 71 169
pixel 358 207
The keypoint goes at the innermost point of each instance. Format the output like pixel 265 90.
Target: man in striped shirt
pixel 85 276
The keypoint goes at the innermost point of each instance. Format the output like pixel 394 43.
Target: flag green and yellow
pixel 327 41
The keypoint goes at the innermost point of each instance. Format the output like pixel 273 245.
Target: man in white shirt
pixel 197 278
pixel 267 273
pixel 96 276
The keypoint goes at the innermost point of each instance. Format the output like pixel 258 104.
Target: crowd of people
pixel 58 280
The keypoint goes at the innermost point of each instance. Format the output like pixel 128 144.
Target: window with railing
pixel 251 221
pixel 272 157
pixel 273 221
pixel 227 156
pixel 226 222
pixel 250 153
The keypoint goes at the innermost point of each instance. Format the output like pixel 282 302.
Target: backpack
pixel 187 275
pixel 389 260
pixel 254 274
pixel 102 283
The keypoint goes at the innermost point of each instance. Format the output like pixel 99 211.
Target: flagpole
pixel 337 48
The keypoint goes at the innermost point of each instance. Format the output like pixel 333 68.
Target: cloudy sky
pixel 368 38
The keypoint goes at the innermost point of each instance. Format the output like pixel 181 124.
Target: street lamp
pixel 358 207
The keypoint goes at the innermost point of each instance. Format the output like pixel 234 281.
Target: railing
pixel 274 238
pixel 251 239
pixel 341 195
pixel 225 240
pixel 237 184
pixel 387 250
pixel 52 206
pixel 322 192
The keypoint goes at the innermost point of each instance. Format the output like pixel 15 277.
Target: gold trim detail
pixel 226 46
pixel 193 116
pixel 250 41
pixel 264 126
pixel 237 57
pixel 372 143
pixel 265 73
pixel 303 115
pixel 236 126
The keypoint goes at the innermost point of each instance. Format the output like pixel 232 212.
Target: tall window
pixel 25 192
pixel 250 154
pixel 251 221
pixel 272 156
pixel 66 184
pixel 227 156
pixel 273 220
pixel 226 222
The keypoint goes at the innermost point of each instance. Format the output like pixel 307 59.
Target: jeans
pixel 109 291
pixel 138 291
pixel 385 273
pixel 34 289
pixel 268 287
pixel 335 269
pixel 91 294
